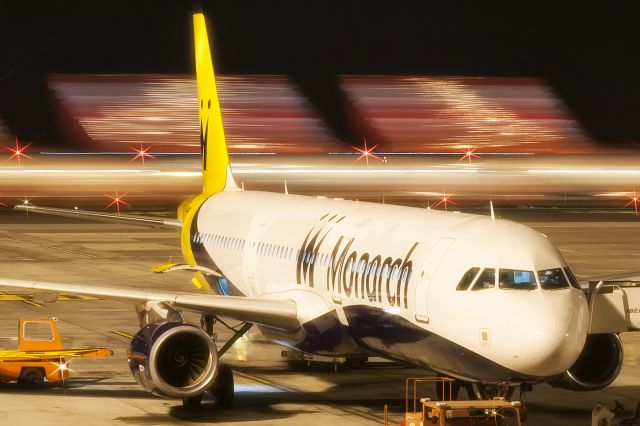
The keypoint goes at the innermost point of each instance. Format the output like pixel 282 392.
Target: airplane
pixel 483 300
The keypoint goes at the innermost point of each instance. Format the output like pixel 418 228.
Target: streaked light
pixel 586 171
pixel 182 174
pixel 358 171
pixel 633 200
pixel 142 153
pixel 101 171
pixel 469 154
pixel 194 154
pixel 435 153
pixel 18 151
pixel 445 199
pixel 366 153
pixel 117 200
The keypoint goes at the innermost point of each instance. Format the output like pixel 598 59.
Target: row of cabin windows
pixel 216 240
pixel 288 253
pixel 279 251
pixel 238 244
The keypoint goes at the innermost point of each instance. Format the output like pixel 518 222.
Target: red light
pixel 18 151
pixel 445 199
pixel 117 200
pixel 469 154
pixel 141 153
pixel 633 200
pixel 366 153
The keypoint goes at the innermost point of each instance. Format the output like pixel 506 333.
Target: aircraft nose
pixel 552 343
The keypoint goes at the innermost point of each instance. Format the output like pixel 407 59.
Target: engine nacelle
pixel 173 359
pixel 597 366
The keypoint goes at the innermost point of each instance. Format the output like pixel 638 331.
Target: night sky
pixel 592 62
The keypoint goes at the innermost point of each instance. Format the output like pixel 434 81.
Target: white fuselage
pixel 371 278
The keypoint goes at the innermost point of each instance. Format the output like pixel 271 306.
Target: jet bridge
pixel 614 305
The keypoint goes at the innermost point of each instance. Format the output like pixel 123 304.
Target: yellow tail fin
pixel 216 173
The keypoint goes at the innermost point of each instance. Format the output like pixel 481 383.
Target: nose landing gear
pixel 487 391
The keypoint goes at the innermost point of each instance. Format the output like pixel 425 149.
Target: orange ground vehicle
pixel 492 412
pixel 41 354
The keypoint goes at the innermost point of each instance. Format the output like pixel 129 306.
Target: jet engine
pixel 174 359
pixel 597 366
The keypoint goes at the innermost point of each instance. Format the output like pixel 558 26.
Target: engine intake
pixel 597 366
pixel 173 359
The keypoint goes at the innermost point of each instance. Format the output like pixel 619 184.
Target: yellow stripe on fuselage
pixel 188 210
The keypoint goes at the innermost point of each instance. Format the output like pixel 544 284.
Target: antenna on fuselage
pixel 242 185
pixel 493 215
pixel 286 190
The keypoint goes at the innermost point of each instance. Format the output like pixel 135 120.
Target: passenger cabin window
pixel 513 279
pixel 552 279
pixel 572 278
pixel 486 280
pixel 467 279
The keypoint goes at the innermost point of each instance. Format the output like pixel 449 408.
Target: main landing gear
pixel 222 388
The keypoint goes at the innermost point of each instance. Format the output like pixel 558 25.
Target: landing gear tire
pixel 223 389
pixel 192 401
pixel 486 391
pixel 31 378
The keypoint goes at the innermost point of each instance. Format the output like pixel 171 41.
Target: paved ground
pixel 268 392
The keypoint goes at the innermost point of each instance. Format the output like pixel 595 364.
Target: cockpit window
pixel 552 279
pixel 517 280
pixel 486 280
pixel 572 278
pixel 467 279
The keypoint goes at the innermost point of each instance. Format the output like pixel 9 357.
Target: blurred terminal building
pixel 410 140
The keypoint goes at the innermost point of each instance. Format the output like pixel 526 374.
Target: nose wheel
pixel 487 391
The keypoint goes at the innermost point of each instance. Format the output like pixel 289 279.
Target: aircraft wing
pixel 279 314
pixel 102 216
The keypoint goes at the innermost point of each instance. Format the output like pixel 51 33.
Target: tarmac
pixel 268 390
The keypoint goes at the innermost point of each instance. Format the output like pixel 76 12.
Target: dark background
pixel 590 58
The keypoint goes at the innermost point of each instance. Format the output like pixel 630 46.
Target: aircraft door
pixel 427 273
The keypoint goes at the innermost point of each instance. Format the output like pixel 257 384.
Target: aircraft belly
pixel 394 337
pixel 324 335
